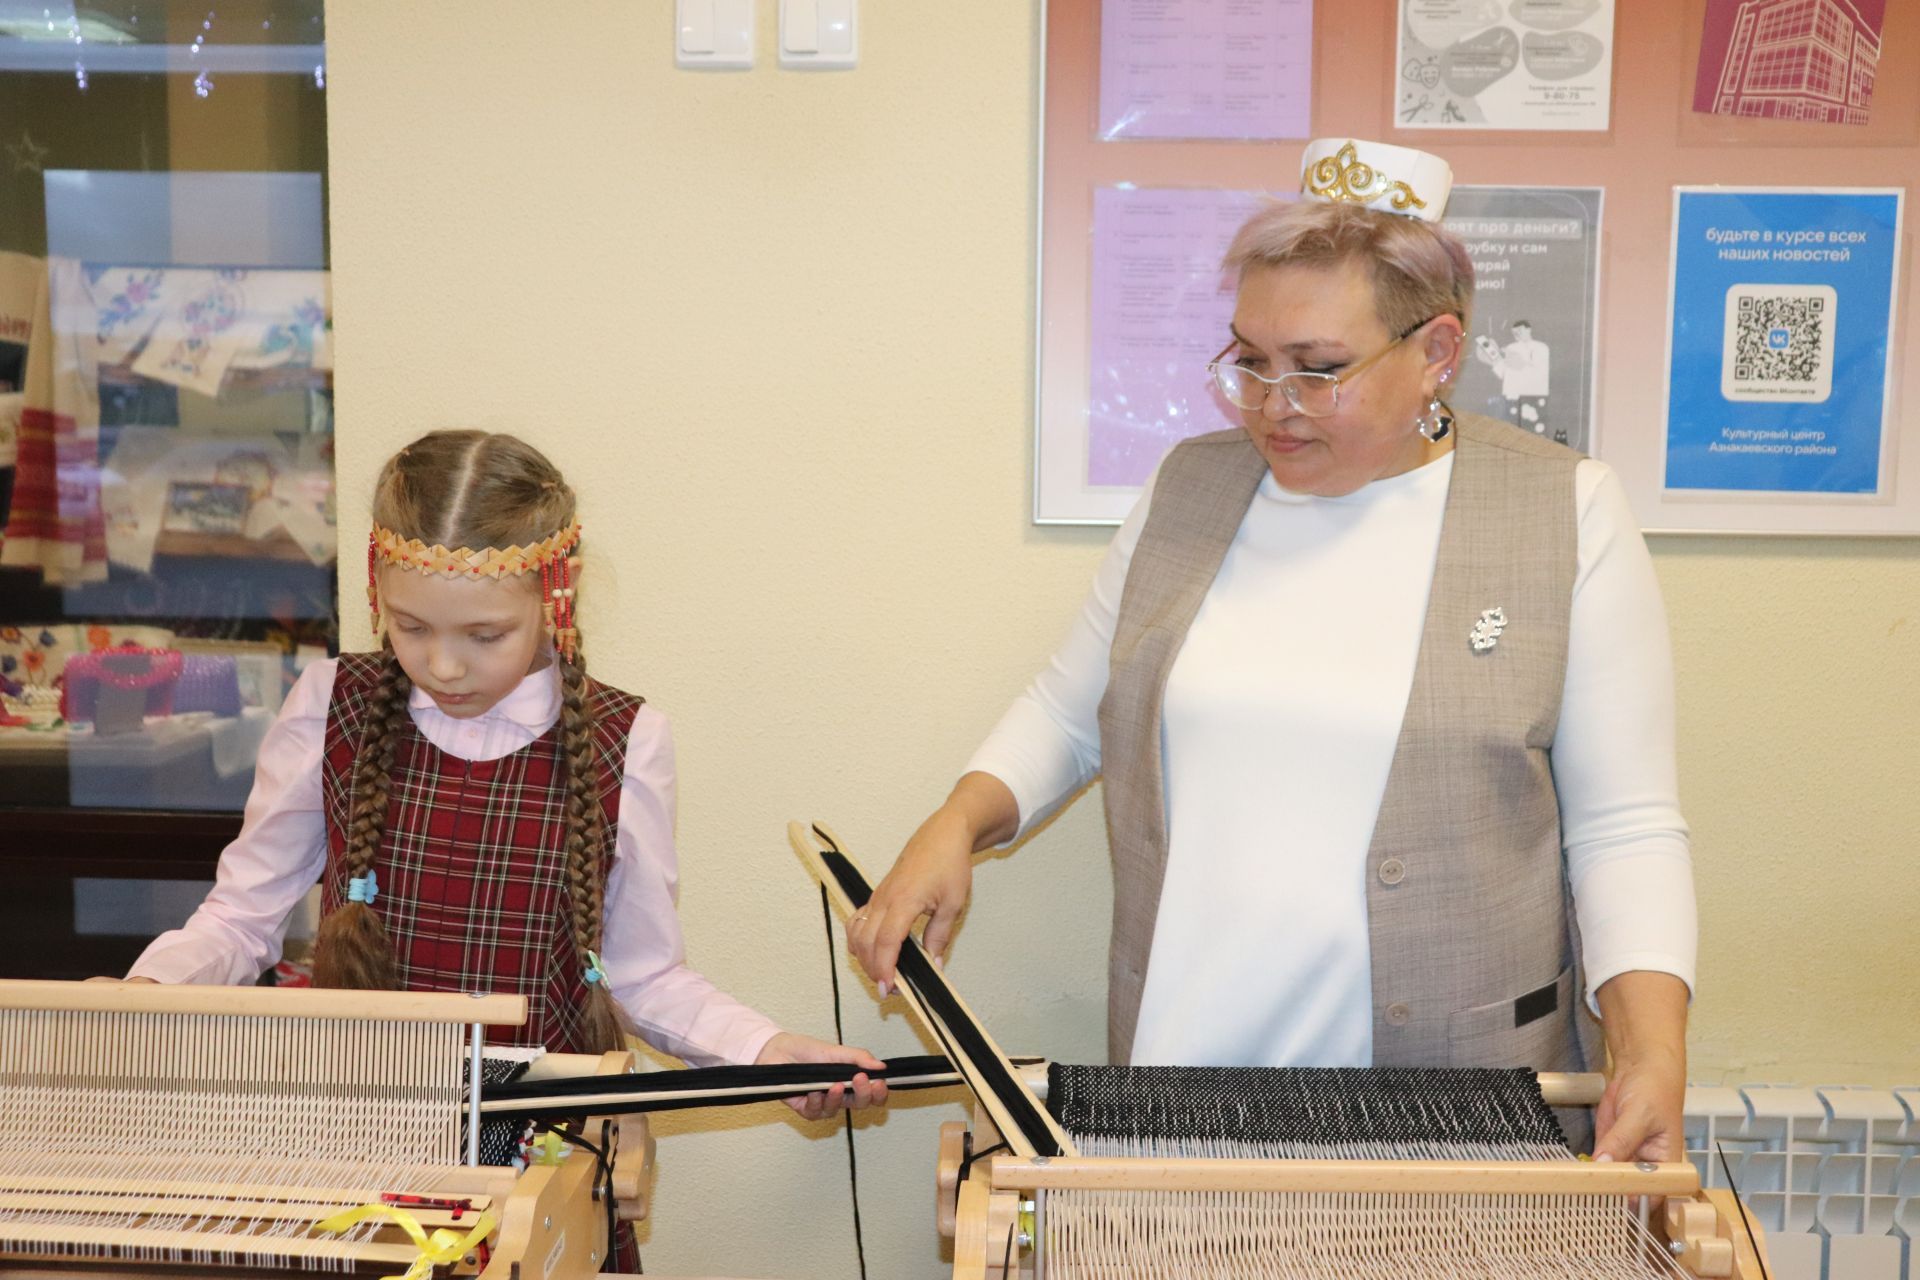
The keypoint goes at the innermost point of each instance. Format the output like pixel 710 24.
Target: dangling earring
pixel 1434 424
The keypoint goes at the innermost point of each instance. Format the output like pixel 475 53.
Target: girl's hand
pixel 861 1092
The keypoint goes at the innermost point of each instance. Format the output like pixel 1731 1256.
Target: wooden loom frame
pixel 542 1214
pixel 986 1206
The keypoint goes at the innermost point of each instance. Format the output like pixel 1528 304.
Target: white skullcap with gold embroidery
pixel 1378 175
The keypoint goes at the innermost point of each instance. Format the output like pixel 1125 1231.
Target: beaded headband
pixel 551 557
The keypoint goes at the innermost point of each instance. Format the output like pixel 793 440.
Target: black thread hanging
pixel 1745 1221
pixel 840 1035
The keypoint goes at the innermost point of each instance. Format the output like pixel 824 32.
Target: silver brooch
pixel 1487 630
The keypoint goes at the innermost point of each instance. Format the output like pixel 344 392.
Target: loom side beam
pixel 1389 1177
pixel 553 1227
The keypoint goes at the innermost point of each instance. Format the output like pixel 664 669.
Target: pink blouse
pixel 282 847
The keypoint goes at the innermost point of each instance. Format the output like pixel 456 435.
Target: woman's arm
pixel 1628 859
pixel 282 846
pixel 933 875
pixel 1640 1117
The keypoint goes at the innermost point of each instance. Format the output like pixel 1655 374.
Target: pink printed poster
pixel 1790 59
pixel 1160 310
pixel 1239 69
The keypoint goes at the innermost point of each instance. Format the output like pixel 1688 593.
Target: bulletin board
pixel 1654 144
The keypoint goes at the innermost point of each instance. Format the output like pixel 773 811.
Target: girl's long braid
pixel 352 948
pixel 586 838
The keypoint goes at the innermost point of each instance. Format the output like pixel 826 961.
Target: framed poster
pixel 1653 142
pixel 1781 334
pixel 1528 64
pixel 1531 342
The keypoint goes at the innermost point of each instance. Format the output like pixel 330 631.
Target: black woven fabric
pixel 499 1136
pixel 1319 1106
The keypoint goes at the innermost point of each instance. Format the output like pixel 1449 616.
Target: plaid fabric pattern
pixel 472 868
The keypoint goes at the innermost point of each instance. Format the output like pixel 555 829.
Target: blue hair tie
pixel 363 888
pixel 596 974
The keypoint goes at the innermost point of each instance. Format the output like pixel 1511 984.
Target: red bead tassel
pixel 373 582
pixel 564 614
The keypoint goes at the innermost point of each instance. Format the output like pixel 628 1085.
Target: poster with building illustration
pixel 1530 342
pixel 1522 64
pixel 1789 59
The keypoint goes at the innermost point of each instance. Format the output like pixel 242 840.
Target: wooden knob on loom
pixel 1695 1226
pixel 1688 1219
pixel 1709 1257
pixel 946 1175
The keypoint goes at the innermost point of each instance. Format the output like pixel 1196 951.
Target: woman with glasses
pixel 1382 700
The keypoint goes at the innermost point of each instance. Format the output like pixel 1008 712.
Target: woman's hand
pixel 860 1092
pixel 1641 1114
pixel 932 877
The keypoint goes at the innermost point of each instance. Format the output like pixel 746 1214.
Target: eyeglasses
pixel 1317 395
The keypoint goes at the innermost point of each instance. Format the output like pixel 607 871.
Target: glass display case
pixel 167 541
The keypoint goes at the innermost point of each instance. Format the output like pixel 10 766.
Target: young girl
pixel 480 814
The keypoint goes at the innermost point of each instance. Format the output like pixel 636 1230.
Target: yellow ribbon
pixel 442 1246
pixel 549 1148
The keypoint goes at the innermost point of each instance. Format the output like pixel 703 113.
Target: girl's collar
pixel 533 704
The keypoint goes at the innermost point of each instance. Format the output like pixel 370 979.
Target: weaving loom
pixel 145 1127
pixel 1254 1172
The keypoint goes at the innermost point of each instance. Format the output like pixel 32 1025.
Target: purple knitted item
pixel 208 682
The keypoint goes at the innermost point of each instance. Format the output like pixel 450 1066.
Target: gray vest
pixel 1475 953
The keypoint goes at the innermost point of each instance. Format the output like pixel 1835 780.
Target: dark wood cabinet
pixel 44 851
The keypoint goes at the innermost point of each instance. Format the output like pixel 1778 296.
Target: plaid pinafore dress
pixel 472 867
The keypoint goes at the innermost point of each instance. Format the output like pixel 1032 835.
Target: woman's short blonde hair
pixel 1419 270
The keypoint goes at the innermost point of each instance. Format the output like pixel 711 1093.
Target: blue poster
pixel 1780 320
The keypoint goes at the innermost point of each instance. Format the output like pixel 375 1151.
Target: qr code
pixel 1779 342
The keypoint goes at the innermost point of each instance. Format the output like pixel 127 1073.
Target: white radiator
pixel 1832 1174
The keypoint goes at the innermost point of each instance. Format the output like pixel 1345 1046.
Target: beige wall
pixel 776 327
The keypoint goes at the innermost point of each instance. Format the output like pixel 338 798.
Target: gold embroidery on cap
pixel 1344 177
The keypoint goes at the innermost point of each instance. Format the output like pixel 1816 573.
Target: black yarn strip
pixel 696 1086
pixel 967 1039
pixel 499 1136
pixel 1321 1106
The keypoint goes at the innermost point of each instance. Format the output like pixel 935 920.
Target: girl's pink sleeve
pixel 282 846
pixel 674 1007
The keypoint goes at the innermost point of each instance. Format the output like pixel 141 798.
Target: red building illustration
pixel 1799 60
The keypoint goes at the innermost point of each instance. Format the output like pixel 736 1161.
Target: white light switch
pixel 715 34
pixel 819 34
